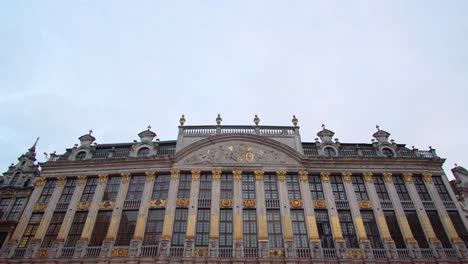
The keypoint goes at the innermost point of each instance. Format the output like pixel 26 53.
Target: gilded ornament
pixel 368 176
pixel 294 120
pixel 355 253
pixel 259 174
pixel 157 203
pixel 281 174
pixel 346 176
pixel 106 204
pixel 175 174
pixel 427 176
pixel 82 179
pixel 61 180
pixel 182 120
pixel 196 174
pixel 103 178
pixel 365 205
pixel 125 177
pixel 320 204
pixel 150 175
pixel 249 203
pixel 303 175
pixel 219 120
pixel 83 205
pixel 408 177
pixel 256 120
pixel 216 174
pixel 226 203
pixel 276 253
pixel 296 203
pixel 387 176
pixel 237 174
pixel 40 181
pixel 183 202
pixel 40 207
pixel 43 253
pixel 201 252
pixel 325 176
pixel 120 252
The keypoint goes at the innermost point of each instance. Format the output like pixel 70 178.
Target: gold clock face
pixel 242 153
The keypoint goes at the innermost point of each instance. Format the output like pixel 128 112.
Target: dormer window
pixel 15 178
pixel 329 152
pixel 143 152
pixel 387 152
pixel 80 156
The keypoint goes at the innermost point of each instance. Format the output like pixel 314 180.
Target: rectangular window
pixel 161 186
pixel 347 228
pixel 459 226
pixel 225 228
pixel 47 191
pixel 275 236
pixel 205 186
pixel 112 189
pixel 441 189
pixel 53 229
pixel 154 226
pixel 180 227
pixel 380 188
pixel 76 228
pixel 185 183
pixel 324 228
pixel 359 188
pixel 421 188
pixel 394 229
pixel 89 190
pixel 249 217
pixel 68 190
pixel 126 227
pixel 416 229
pixel 226 186
pixel 439 228
pixel 31 230
pixel 372 230
pixel 316 189
pixel 16 209
pixel 271 187
pixel 4 204
pixel 203 228
pixel 294 188
pixel 299 229
pixel 248 186
pixel 100 228
pixel 338 187
pixel 135 190
pixel 401 189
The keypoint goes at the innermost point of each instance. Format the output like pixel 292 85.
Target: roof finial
pixel 323 126
pixel 456 165
pixel 182 120
pixel 90 131
pixel 378 127
pixel 149 127
pixel 33 148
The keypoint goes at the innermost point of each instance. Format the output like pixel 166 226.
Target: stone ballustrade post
pixel 166 236
pixel 214 213
pixel 401 216
pixel 109 241
pixel 314 239
pixel 389 244
pixel 333 213
pixel 137 240
pixel 9 250
pixel 288 236
pixel 68 219
pixel 263 249
pixel 189 246
pixel 238 243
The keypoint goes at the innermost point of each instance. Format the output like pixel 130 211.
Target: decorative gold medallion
pixel 355 253
pixel 276 253
pixel 201 252
pixel 183 202
pixel 281 174
pixel 40 207
pixel 120 252
pixel 106 204
pixel 368 176
pixel 296 203
pixel 365 205
pixel 325 176
pixel 216 174
pixel 320 204
pixel 226 203
pixel 346 176
pixel 103 178
pixel 83 205
pixel 196 174
pixel 408 177
pixel 249 203
pixel 427 176
pixel 259 174
pixel 303 175
pixel 387 176
pixel 154 203
pixel 237 174
pixel 43 253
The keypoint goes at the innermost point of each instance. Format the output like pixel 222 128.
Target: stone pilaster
pixel 288 236
pixel 68 219
pixel 214 213
pixel 108 243
pixel 411 243
pixel 24 219
pixel 168 226
pixel 314 239
pixel 189 246
pixel 238 243
pixel 333 214
pixel 263 248
pixel 137 240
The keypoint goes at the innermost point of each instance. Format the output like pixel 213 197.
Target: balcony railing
pixel 176 252
pixel 93 252
pixel 451 252
pixel 19 252
pixel 303 253
pixel 403 253
pixel 204 203
pixel 250 130
pixel 427 253
pixel 329 253
pixel 149 251
pixel 131 204
pixel 61 206
pixel 379 253
pixel 225 253
pixel 342 204
pixel 449 205
pixel 250 252
pixel 67 252
pixel 386 204
pixel 428 205
pixel 407 204
pixel 272 203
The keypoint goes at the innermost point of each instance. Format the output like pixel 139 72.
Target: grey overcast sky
pixel 118 66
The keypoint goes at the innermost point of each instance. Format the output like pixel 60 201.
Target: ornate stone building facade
pixel 241 194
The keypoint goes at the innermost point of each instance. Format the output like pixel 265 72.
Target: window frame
pixel 338 188
pixel 316 187
pixel 271 187
pixel 136 187
pixel 294 187
pixel 359 187
pixel 161 186
pixel 112 188
pixel 248 186
pixel 274 228
pixel 185 184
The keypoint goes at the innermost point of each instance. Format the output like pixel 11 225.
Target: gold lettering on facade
pixel 259 174
pixel 408 177
pixel 281 174
pixel 325 176
pixel 427 176
pixel 196 174
pixel 367 176
pixel 303 175
pixel 237 174
pixel 346 176
pixel 175 174
pixel 387 176
pixel 216 174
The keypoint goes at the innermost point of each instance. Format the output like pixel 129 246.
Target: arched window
pixel 387 152
pixel 329 152
pixel 15 178
pixel 143 152
pixel 80 156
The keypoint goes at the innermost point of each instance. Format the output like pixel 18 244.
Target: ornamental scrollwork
pixel 281 174
pixel 346 176
pixel 408 176
pixel 40 207
pixel 249 203
pixel 226 203
pixel 150 176
pixel 175 174
pixel 259 174
pixel 196 174
pixel 365 205
pixel 61 180
pixel 319 204
pixel 107 204
pixel 296 203
pixel 126 177
pixel 303 175
pixel 325 176
pixel 103 178
pixel 183 202
pixel 427 176
pixel 155 203
pixel 40 181
pixel 387 176
pixel 83 205
pixel 237 174
pixel 368 176
pixel 216 174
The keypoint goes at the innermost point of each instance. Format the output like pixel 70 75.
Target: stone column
pixel 68 219
pixel 288 236
pixel 401 216
pixel 458 244
pixel 109 241
pixel 44 224
pixel 238 250
pixel 389 244
pixel 333 213
pixel 9 249
pixel 314 239
pixel 166 236
pixel 189 246
pixel 434 242
pixel 214 213
pixel 137 240
pixel 263 248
